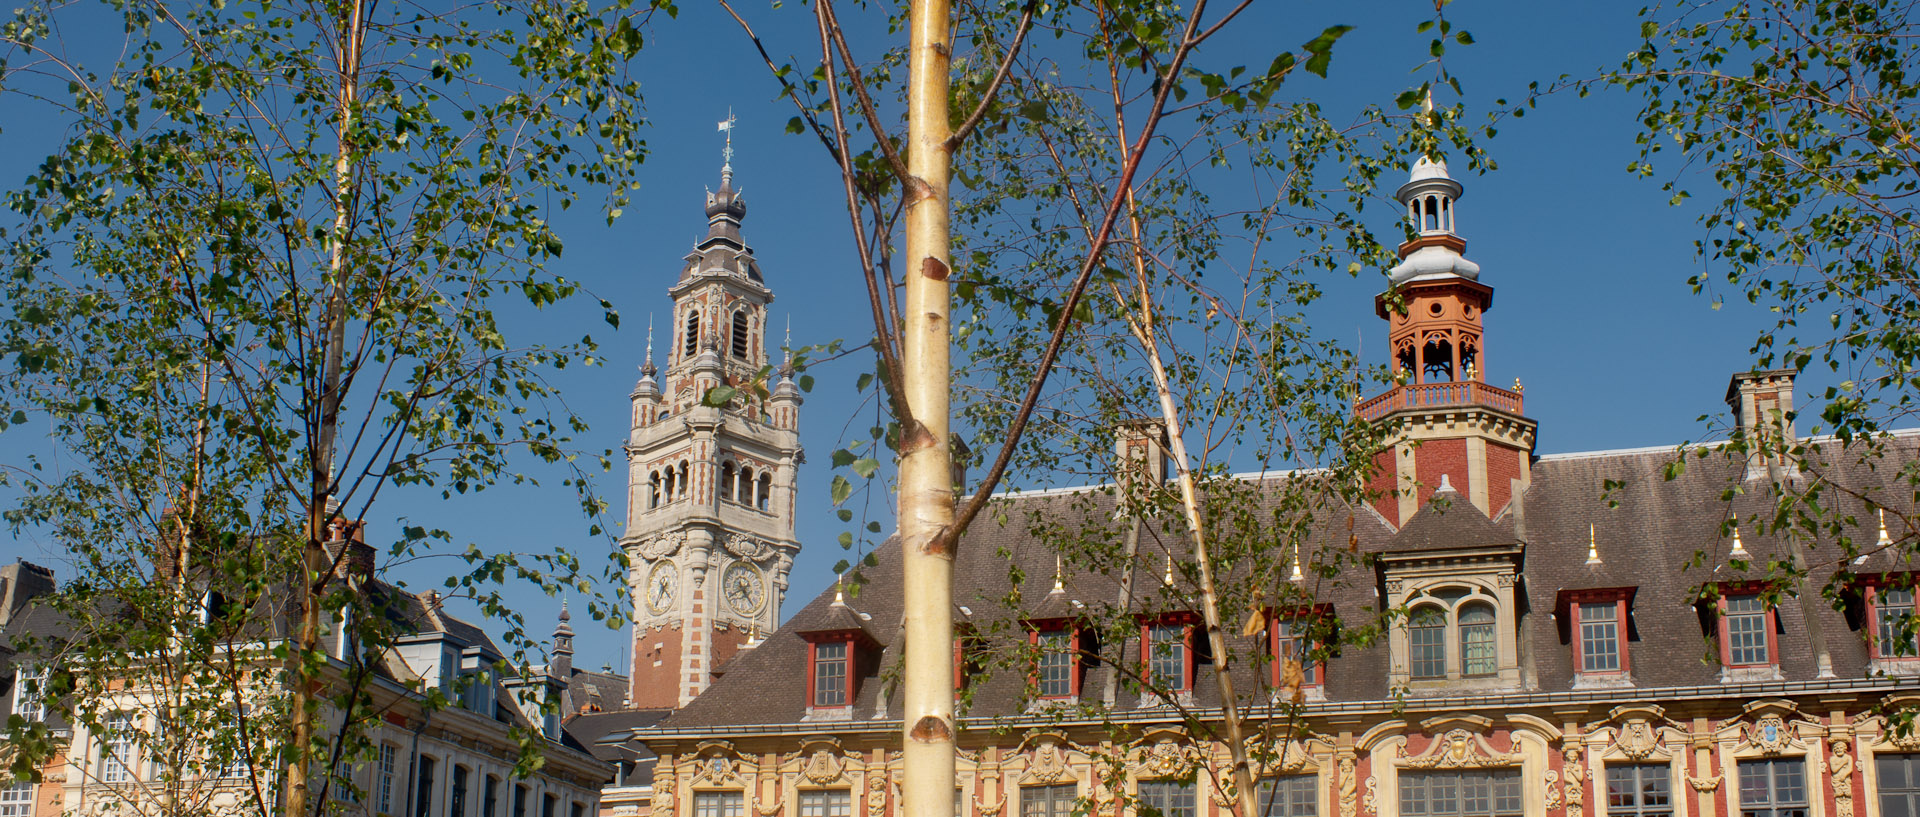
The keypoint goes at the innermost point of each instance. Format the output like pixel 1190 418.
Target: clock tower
pixel 710 470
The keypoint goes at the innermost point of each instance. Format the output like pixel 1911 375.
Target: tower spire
pixel 647 368
pixel 726 153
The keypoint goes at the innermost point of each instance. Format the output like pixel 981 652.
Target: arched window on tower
pixel 727 474
pixel 763 498
pixel 653 491
pixel 1430 215
pixel 1436 365
pixel 691 342
pixel 1470 360
pixel 746 486
pixel 667 486
pixel 1446 214
pixel 740 335
pixel 681 484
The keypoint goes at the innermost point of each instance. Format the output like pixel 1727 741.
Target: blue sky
pixel 1593 311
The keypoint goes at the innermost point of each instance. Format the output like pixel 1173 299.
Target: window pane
pixel 1476 641
pixel 1296 648
pixel 1056 664
pixel 831 803
pixel 830 674
pixel 1169 798
pixel 1773 788
pixel 1599 637
pixel 1899 784
pixel 714 804
pixel 1746 625
pixel 1490 793
pixel 17 800
pixel 1427 638
pixel 1638 790
pixel 1167 656
pixel 1894 609
pixel 1046 801
pixel 1290 796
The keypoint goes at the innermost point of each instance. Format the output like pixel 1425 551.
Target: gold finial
pixel 1739 549
pixel 1297 575
pixel 1471 371
pixel 839 595
pixel 1593 546
pixel 1884 538
pixel 1168 578
pixel 1517 387
pixel 1059 583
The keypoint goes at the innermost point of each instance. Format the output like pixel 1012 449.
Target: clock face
pixel 662 584
pixel 744 589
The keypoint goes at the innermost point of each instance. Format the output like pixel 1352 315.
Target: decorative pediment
pixel 662 545
pixel 1046 758
pixel 1165 753
pixel 1638 732
pixel 822 762
pixel 1461 749
pixel 1770 727
pixel 746 547
pixel 715 763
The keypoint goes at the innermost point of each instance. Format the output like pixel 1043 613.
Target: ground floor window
pixel 1773 788
pixel 1899 778
pixel 827 803
pixel 1166 798
pixel 1291 796
pixel 17 800
pixel 717 804
pixel 1639 790
pixel 1046 801
pixel 1478 793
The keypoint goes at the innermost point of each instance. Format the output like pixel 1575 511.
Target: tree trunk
pixel 309 581
pixel 926 475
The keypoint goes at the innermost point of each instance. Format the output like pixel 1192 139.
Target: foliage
pixel 260 283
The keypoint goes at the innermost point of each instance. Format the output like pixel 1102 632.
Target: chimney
pixel 20 583
pixel 1762 403
pixel 1140 451
pixel 359 561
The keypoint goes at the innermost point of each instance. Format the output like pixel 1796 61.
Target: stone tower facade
pixel 710 482
pixel 1450 426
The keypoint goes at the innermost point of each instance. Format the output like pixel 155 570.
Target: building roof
pixel 1647 526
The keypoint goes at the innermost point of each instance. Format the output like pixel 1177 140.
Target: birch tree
pixel 258 286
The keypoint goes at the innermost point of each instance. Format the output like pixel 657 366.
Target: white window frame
pixel 117 749
pixel 17 800
pixel 29 693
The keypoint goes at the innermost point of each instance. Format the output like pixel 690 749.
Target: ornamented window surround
pixel 1792 735
pixel 1567 610
pixel 860 649
pixel 1874 735
pixel 1386 744
pixel 1185 620
pixel 1489 575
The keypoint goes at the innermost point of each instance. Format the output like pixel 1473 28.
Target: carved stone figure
pixel 1574 771
pixel 1048 764
pixel 1840 768
pixel 1349 786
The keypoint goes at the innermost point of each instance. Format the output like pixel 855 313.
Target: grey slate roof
pixel 1647 530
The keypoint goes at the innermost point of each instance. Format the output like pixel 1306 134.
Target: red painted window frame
pixel 1034 629
pixel 1622 597
pixel 1185 622
pixel 1310 618
pixel 1871 585
pixel 854 642
pixel 1728 591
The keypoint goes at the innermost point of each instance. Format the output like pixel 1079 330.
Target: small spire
pixel 1059 577
pixel 1884 538
pixel 564 615
pixel 1517 387
pixel 647 367
pixel 1739 549
pixel 1593 547
pixel 839 594
pixel 1168 578
pixel 726 153
pixel 1297 575
pixel 1445 484
pixel 1426 101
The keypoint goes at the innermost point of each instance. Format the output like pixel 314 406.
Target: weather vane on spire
pixel 726 154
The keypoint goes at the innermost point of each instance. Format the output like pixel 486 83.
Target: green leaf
pixel 865 466
pixel 718 396
pixel 841 489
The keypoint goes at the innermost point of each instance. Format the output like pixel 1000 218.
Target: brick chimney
pixel 1140 450
pixel 1762 403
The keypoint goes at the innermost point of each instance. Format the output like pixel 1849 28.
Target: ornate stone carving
pixel 662 795
pixel 661 545
pixel 1047 764
pixel 1166 757
pixel 1574 770
pixel 717 769
pixel 1553 789
pixel 1769 734
pixel 1461 749
pixel 1636 740
pixel 1372 803
pixel 1349 785
pixel 1705 784
pixel 876 793
pixel 1840 769
pixel 746 547
pixel 823 766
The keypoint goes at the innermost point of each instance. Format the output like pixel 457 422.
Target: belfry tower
pixel 710 499
pixel 1448 424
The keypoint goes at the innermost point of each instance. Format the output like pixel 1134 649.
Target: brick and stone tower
pixel 1447 424
pixel 710 486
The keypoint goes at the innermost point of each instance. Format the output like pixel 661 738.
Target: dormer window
pixel 1743 620
pixel 1166 654
pixel 1294 636
pixel 1891 610
pixel 830 684
pixel 1595 624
